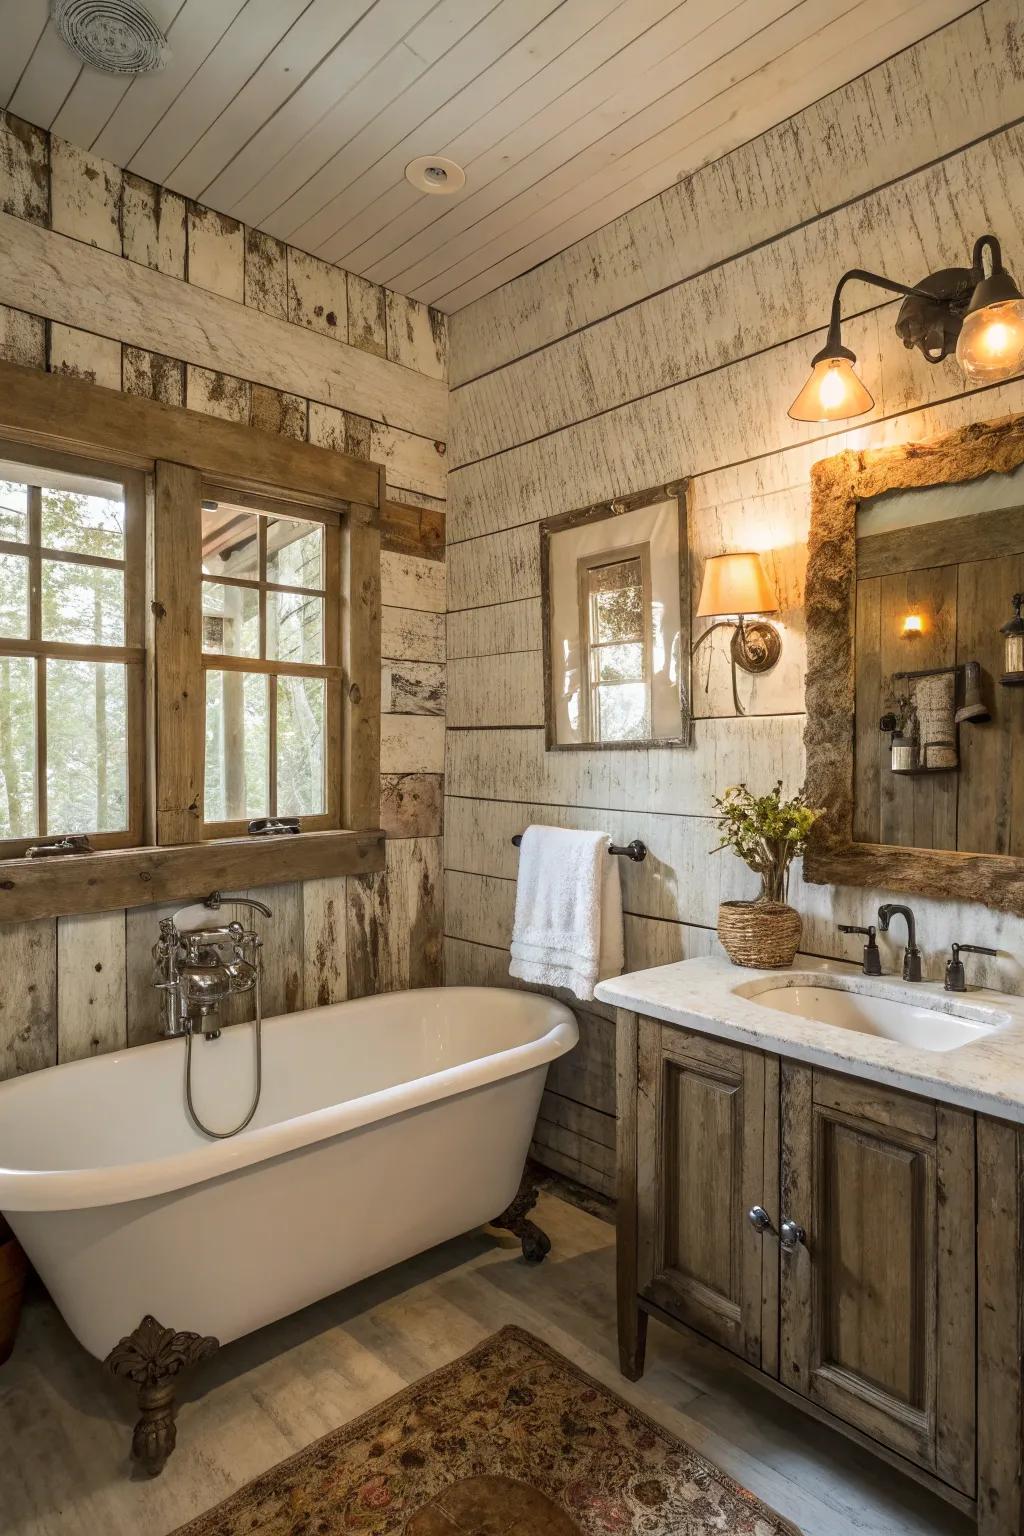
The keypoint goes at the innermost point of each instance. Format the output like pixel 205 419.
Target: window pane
pixel 237 755
pixel 230 542
pixel 86 747
pixel 618 615
pixel 13 511
pixel 294 553
pixel 83 604
pixel 622 710
pixel 18 747
pixel 14 596
pixel 300 746
pixel 295 627
pixel 620 663
pixel 90 525
pixel 231 620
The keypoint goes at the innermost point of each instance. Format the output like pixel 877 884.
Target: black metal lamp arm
pixel 834 342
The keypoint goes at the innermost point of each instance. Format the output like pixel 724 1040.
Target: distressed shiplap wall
pixel 109 277
pixel 670 343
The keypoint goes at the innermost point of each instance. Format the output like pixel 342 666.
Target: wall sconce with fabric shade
pixel 959 309
pixel 737 586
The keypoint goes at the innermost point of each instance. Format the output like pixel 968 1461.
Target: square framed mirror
pixel 615 598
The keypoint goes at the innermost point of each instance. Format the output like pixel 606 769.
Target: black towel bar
pixel 636 850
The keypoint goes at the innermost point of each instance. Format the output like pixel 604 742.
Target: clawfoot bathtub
pixel 386 1125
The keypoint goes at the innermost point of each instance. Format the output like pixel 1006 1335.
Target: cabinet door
pixel 877 1297
pixel 701 1128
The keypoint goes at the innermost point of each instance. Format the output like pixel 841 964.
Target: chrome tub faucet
pixel 912 956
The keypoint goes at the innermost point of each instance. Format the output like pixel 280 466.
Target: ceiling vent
pixel 118 36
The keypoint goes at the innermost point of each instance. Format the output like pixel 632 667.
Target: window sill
pixel 138 877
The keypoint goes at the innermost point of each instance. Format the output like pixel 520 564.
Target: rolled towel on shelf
pixel 568 921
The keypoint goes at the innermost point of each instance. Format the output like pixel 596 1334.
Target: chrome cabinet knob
pixel 759 1219
pixel 791 1235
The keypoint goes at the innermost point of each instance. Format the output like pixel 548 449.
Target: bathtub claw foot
pixel 536 1244
pixel 153 1357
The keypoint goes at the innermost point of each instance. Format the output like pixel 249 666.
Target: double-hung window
pixel 614 604
pixel 271 661
pixel 72 657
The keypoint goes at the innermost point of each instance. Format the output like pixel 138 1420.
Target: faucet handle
pixel 956 978
pixel 871 964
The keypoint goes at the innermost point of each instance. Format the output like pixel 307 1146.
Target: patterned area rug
pixel 487 1445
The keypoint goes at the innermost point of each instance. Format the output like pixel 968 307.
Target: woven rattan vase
pixel 761 934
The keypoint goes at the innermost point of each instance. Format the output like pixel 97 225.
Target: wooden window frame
pixel 184 454
pixel 132 654
pixel 329 670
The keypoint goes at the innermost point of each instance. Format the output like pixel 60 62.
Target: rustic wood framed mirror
pixel 615 600
pixel 915 720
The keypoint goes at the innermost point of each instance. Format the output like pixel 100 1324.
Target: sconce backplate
pixel 933 325
pixel 756 647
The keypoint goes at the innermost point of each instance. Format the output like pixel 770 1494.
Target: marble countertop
pixel 986 1075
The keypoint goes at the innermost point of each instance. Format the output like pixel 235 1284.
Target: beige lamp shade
pixel 735 584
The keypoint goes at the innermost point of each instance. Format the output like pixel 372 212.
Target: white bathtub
pixel 387 1125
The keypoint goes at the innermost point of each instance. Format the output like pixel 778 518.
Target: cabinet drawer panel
pixel 867 1101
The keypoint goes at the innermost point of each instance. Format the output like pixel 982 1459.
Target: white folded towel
pixel 568 923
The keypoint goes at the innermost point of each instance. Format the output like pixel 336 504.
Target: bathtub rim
pixel 67 1189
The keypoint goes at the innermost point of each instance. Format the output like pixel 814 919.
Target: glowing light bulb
pixel 832 393
pixel 991 344
pixel 913 625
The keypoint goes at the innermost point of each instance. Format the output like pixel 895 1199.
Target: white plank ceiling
pixel 299 116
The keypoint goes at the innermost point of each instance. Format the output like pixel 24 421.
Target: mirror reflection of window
pixel 614 605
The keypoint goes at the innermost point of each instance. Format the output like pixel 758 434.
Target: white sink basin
pixel 884 1009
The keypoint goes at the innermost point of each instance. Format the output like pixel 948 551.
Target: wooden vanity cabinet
pixel 879 1287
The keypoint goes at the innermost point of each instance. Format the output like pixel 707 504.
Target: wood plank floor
pixel 64 1429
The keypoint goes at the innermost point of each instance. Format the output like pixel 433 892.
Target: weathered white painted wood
pixel 499 567
pixel 409 581
pixel 91 994
pixel 67 281
pixel 327 426
pixel 492 764
pixel 408 635
pixel 266 274
pixel 826 155
pixel 28 1000
pixel 325 963
pixel 85 196
pixel 85 356
pixel 701 119
pixel 682 878
pixel 497 630
pixel 153 226
pixel 22 338
pixel 417 336
pixel 317 295
pixel 218 394
pixel 690 429
pixel 413 463
pixel 496 690
pixel 776 292
pixel 587 1074
pixel 367 315
pixel 412 688
pixel 151 375
pixel 510 105
pixel 216 253
pixel 412 744
pixel 24 170
pixel 394 920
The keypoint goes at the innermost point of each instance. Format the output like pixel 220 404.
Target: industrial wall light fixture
pixel 961 309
